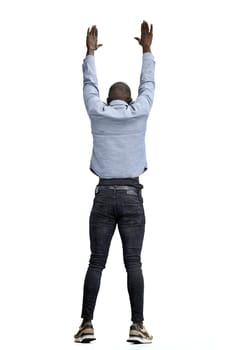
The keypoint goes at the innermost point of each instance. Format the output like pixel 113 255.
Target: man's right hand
pixel 146 36
pixel 92 40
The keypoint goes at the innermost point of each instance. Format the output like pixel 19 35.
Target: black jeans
pixel 116 203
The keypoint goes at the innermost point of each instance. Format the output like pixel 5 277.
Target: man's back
pixel 119 128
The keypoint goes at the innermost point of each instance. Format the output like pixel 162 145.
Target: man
pixel 118 159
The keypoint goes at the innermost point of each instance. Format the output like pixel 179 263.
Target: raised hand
pixel 92 40
pixel 146 36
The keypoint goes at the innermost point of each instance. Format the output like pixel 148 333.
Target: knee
pixel 132 262
pixel 97 262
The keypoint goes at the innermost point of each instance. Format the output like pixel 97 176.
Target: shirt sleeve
pixel 90 84
pixel 144 100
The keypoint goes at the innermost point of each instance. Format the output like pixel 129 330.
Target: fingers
pixel 145 28
pixel 92 38
pixel 151 29
pixel 93 31
pixel 138 39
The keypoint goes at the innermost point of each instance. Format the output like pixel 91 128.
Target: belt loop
pixel 140 193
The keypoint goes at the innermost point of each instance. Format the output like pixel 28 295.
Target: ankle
pixel 85 321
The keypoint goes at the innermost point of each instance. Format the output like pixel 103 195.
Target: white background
pixel 46 188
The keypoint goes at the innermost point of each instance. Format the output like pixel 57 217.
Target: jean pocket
pixel 134 198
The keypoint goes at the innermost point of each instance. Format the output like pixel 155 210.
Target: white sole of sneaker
pixel 84 339
pixel 139 340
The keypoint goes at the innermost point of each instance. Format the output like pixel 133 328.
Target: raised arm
pixel 144 101
pixel 90 82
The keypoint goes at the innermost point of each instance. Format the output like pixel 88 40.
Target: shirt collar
pixel 118 103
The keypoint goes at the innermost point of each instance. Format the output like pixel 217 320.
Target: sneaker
pixel 139 335
pixel 85 333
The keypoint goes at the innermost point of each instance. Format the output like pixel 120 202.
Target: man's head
pixel 119 91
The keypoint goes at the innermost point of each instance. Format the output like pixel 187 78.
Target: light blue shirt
pixel 118 129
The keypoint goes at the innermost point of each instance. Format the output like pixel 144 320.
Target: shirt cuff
pixel 89 58
pixel 147 54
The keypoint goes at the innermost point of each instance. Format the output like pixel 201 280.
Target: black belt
pixel 117 188
pixel 131 182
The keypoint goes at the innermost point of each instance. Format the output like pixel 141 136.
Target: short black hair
pixel 119 91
